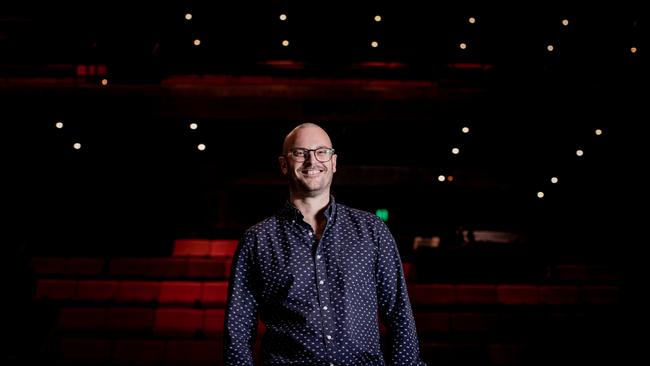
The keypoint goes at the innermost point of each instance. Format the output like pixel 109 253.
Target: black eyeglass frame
pixel 307 152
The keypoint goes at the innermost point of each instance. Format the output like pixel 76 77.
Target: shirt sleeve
pixel 240 324
pixel 394 305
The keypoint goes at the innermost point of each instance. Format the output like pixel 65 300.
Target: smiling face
pixel 308 178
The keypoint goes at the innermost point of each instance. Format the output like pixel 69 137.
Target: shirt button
pixel 324 307
pixel 321 282
pixel 318 257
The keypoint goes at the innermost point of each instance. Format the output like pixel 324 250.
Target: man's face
pixel 307 175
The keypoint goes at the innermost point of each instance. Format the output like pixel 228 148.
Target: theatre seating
pixel 170 310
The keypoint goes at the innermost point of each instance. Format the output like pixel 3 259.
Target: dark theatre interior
pixel 500 142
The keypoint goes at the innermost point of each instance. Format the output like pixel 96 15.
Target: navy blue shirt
pixel 319 299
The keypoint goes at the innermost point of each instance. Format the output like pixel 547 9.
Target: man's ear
pixel 283 165
pixel 334 163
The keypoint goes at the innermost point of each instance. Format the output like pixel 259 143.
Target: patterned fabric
pixel 319 299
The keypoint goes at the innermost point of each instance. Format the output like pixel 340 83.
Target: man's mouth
pixel 311 172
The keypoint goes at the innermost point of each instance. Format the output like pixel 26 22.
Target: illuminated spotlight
pixel 76 146
pixel 441 178
pixel 450 178
pixel 104 82
pixel 598 132
pixel 471 20
pixel 565 22
pixel 540 194
pixel 465 129
pixel 553 180
pixel 201 147
pixel 633 49
pixel 550 48
pixel 455 151
pixel 285 43
pixel 194 126
pixel 377 18
pixel 197 42
pixel 283 17
pixel 188 16
pixel 579 152
pixel 59 124
pixel 374 44
pixel 463 46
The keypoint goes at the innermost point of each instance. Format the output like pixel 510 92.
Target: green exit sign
pixel 382 213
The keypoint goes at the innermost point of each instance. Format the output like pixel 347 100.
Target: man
pixel 318 273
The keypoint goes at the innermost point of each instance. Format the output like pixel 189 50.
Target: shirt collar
pixel 290 211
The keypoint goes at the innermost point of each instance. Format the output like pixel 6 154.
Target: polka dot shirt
pixel 320 300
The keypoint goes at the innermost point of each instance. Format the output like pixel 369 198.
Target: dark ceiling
pixel 394 112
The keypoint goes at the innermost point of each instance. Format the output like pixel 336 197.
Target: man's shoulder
pixel 355 213
pixel 262 226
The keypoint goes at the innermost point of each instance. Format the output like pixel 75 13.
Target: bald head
pixel 301 131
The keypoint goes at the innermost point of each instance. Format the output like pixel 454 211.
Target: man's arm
pixel 394 305
pixel 240 325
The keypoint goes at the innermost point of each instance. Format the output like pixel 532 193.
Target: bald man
pixel 318 274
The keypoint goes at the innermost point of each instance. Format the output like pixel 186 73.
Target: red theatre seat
pixel 85 351
pixel 223 248
pixel 214 294
pixel 191 248
pixel 138 292
pixel 431 294
pixel 518 294
pixel 56 290
pixel 96 290
pixel 180 293
pixel 138 352
pixel 178 322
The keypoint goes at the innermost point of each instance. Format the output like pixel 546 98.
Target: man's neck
pixel 310 207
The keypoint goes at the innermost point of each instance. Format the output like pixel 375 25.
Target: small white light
pixel 188 16
pixel 197 42
pixel 283 17
pixel 540 194
pixel 377 18
pixel 598 132
pixel 550 48
pixel 374 44
pixel 553 180
pixel 465 129
pixel 76 146
pixel 579 152
pixel 455 151
pixel 285 43
pixel 104 82
pixel 194 126
pixel 633 49
pixel 471 20
pixel 565 22
pixel 201 147
pixel 463 46
pixel 59 124
pixel 441 178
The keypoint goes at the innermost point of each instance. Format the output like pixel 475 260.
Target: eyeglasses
pixel 322 154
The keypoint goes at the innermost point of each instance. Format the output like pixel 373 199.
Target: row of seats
pixel 159 322
pixel 213 293
pixel 156 267
pixel 128 322
pixel 206 352
pixel 104 351
pixel 170 310
pixel 216 267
